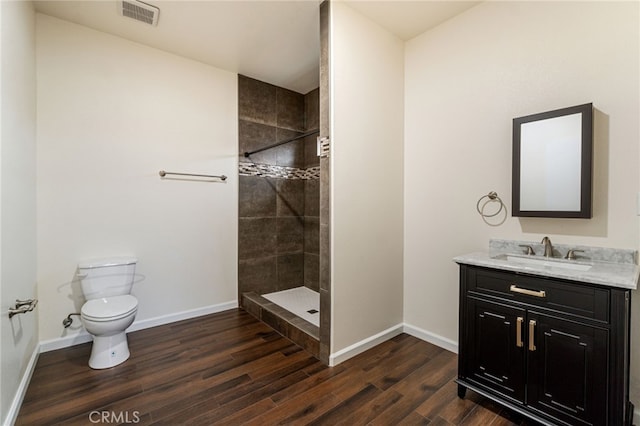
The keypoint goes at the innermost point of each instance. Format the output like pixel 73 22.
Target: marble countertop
pixel 613 274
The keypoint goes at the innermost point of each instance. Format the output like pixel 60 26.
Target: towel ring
pixel 491 197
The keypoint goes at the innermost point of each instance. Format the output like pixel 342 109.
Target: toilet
pixel 109 309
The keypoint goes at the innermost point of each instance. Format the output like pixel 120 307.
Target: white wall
pixel 111 114
pixel 465 81
pixel 19 335
pixel 366 81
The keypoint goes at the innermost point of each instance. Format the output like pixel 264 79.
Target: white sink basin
pixel 549 263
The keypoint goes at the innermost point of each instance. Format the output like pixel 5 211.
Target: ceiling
pixel 407 19
pixel 272 41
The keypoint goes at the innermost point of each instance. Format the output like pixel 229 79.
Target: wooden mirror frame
pixel 585 163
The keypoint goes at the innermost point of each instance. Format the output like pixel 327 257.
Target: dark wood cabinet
pixel 568 370
pixel 497 361
pixel 556 351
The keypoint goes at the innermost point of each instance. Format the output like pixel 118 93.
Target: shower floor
pixel 301 301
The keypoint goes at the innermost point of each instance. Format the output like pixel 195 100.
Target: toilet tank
pixel 106 277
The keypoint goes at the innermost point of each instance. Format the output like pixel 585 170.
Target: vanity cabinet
pixel 554 350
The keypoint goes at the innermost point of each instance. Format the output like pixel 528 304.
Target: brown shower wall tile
pixel 290 197
pixel 312 110
pixel 311 158
pixel 325 258
pixel 312 271
pixel 257 101
pixel 252 136
pixel 291 232
pixel 290 109
pixel 290 271
pixel 324 191
pixel 312 234
pixel 257 196
pixel 290 154
pixel 312 122
pixel 312 197
pixel 324 349
pixel 258 274
pixel 257 237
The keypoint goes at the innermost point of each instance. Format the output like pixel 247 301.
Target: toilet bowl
pixel 109 309
pixel 107 319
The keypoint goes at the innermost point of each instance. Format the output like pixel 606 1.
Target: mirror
pixel 552 163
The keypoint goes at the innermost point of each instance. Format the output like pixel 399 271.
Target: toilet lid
pixel 109 308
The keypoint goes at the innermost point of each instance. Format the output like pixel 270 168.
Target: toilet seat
pixel 109 308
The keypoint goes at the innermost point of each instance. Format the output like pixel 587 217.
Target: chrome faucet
pixel 548 248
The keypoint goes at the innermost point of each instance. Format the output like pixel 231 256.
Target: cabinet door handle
pixel 532 332
pixel 519 342
pixel 537 293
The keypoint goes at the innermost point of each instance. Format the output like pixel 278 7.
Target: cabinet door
pixel 495 335
pixel 567 365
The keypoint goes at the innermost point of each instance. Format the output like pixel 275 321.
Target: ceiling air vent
pixel 140 11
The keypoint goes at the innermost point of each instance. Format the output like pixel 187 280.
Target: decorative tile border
pixel 313 172
pixel 280 172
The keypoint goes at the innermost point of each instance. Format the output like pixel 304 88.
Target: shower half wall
pixel 278 246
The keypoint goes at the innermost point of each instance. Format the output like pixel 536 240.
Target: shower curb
pixel 294 328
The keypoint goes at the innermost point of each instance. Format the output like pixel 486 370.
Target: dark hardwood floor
pixel 228 368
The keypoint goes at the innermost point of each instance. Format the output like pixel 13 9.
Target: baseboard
pixel 12 414
pixel 427 336
pixel 179 316
pixel 363 345
pixel 65 342
pixel 84 337
pixel 636 416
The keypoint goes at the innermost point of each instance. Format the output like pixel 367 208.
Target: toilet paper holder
pixel 23 306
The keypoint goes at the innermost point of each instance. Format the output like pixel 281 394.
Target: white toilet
pixel 109 309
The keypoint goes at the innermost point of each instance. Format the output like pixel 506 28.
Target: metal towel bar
pixel 162 173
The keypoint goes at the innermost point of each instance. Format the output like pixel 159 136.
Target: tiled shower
pixel 279 206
